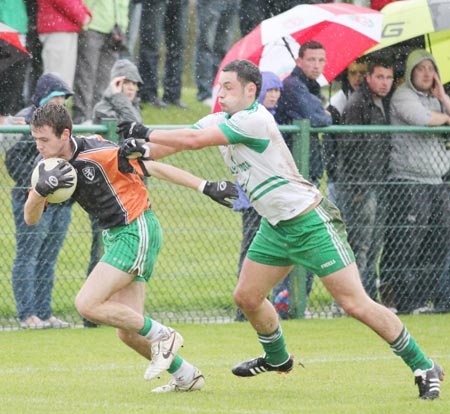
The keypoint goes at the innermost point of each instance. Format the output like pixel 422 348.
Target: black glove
pixel 128 129
pixel 50 181
pixel 219 191
pixel 131 149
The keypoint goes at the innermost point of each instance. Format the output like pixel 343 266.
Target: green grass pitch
pixel 348 370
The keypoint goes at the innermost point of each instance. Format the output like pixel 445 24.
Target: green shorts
pixel 134 248
pixel 316 240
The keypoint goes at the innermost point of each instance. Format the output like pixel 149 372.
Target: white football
pixel 61 194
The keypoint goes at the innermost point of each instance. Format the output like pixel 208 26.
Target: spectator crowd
pixel 106 55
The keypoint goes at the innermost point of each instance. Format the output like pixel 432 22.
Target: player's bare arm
pixel 34 208
pixel 172 174
pixel 178 139
pixel 189 139
pixel 160 151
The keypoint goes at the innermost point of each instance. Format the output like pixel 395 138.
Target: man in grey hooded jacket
pixel 417 240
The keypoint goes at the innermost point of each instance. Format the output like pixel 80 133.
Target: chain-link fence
pixel 400 233
pixel 394 195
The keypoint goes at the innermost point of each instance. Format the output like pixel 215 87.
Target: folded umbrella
pixel 11 48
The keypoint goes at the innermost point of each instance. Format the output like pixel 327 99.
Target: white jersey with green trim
pixel 261 162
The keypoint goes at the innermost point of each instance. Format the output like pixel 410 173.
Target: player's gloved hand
pixel 129 129
pixel 220 191
pixel 131 148
pixel 49 181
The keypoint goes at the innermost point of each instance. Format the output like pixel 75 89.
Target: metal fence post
pixel 111 125
pixel 300 146
pixel 297 281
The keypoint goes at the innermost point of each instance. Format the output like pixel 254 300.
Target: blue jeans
pixel 37 249
pixel 215 29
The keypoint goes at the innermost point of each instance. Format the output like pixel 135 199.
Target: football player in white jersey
pixel 299 226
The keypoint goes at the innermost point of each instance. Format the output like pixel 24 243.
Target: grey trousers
pixel 96 57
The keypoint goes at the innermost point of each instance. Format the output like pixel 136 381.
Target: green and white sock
pixel 407 348
pixel 147 326
pixel 181 370
pixel 274 347
pixel 153 330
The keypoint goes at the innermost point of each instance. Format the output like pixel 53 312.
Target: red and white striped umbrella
pixel 346 31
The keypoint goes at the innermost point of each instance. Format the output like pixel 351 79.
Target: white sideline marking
pixel 87 368
pixel 364 359
pixel 114 367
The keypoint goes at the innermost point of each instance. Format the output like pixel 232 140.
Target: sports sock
pixel 181 370
pixel 176 364
pixel 153 330
pixel 274 347
pixel 407 348
pixel 147 326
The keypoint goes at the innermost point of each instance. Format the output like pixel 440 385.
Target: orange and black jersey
pixel 114 198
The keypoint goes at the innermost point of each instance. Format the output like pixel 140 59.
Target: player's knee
pixel 83 308
pixel 350 308
pixel 246 301
pixel 356 308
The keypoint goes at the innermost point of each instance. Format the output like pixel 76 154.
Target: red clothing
pixel 61 15
pixel 379 4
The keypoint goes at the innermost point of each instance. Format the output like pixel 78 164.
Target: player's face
pixel 312 63
pixel 423 76
pixel 130 89
pixel 50 145
pixel 233 96
pixel 380 81
pixel 271 98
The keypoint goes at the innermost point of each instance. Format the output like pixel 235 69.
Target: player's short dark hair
pixel 312 44
pixel 246 72
pixel 55 116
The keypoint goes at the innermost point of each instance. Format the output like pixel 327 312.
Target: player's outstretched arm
pixel 178 139
pixel 172 174
pixel 189 139
pixel 221 192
